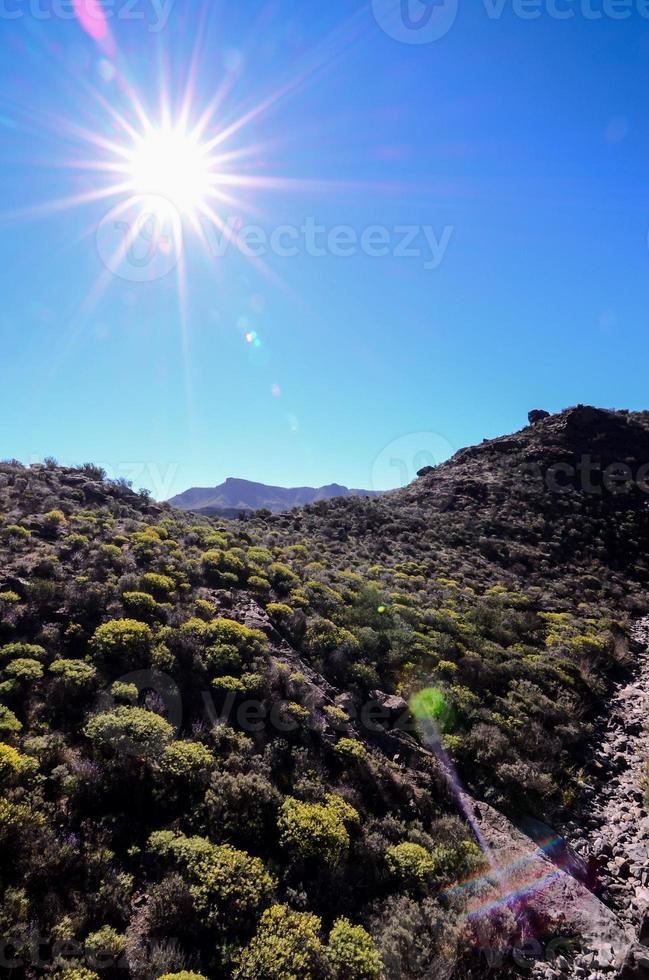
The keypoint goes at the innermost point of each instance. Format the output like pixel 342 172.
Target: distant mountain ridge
pixel 235 496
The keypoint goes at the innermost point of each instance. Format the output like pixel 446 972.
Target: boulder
pixel 551 895
pixel 95 493
pixel 537 415
pixel 346 702
pixel 256 618
pixel 643 933
pixel 636 964
pixel 12 583
pixel 392 703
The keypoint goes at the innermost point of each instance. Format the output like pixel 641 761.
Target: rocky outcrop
pixel 534 881
pixel 537 415
pixel 614 837
pixel 616 830
pixel 636 965
pixel 591 879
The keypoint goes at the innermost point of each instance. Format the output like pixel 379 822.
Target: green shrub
pixel 159 586
pixel 206 610
pixel 299 598
pixel 124 641
pixel 323 636
pixel 280 612
pixel 31 651
pixel 229 684
pixel 122 691
pixel 140 604
pixel 10 597
pixel 298 712
pixel 322 597
pixel 16 819
pixel 254 684
pixel 227 885
pixel 230 886
pixel 187 759
pixel 53 520
pixel 105 947
pixel 432 704
pixel 76 672
pixel 298 682
pixel 24 670
pixel 74 542
pixel 317 830
pixel 241 807
pixel 261 556
pixel 221 567
pixel 111 555
pixel 461 860
pixel 44 748
pixel 282 577
pixel 352 953
pixel 336 717
pixel 350 750
pixel 187 851
pixel 228 633
pixel 364 674
pixel 16 532
pixel 9 724
pixel 410 862
pixel 287 946
pixel 182 975
pixel 222 658
pixel 129 730
pixel 74 973
pixel 12 763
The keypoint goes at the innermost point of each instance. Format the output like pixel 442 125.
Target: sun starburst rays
pixel 167 164
pixel 156 174
pixel 184 150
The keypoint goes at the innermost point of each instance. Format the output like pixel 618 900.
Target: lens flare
pixel 434 715
pixel 92 18
pixel 508 884
pixel 431 705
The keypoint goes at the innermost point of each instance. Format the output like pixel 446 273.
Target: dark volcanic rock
pixel 537 415
pixel 636 964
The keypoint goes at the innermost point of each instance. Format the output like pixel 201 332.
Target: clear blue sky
pixel 526 139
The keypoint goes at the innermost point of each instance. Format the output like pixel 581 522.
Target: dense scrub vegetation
pixel 208 760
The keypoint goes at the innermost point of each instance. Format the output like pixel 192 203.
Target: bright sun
pixel 171 164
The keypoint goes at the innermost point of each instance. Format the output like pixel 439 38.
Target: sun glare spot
pixel 92 18
pixel 171 164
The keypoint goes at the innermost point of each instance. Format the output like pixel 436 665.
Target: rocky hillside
pixel 570 493
pixel 318 744
pixel 235 497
